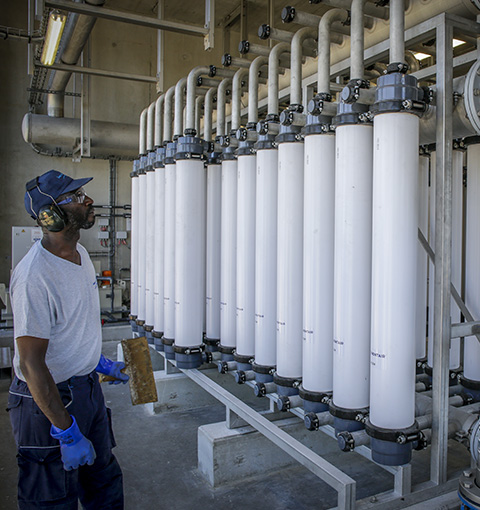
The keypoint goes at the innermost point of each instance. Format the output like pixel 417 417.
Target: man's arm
pixel 40 382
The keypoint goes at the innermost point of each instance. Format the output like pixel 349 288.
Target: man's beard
pixel 79 219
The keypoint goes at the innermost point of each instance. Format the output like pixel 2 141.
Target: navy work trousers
pixel 43 482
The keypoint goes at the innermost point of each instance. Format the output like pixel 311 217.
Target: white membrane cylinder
pixel 169 253
pixel 141 242
pixel 159 254
pixel 149 249
pixel 190 252
pixel 228 254
pixel 457 229
pixel 471 369
pixel 352 273
pixel 318 238
pixel 214 190
pixel 245 302
pixel 394 270
pixel 266 258
pixel 422 259
pixel 457 214
pixel 134 249
pixel 290 260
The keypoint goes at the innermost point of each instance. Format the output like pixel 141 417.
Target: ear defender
pixel 52 218
pixel 49 216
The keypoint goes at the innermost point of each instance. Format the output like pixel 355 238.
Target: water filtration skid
pixel 327 255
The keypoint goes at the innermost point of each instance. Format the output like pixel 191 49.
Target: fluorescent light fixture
pixel 421 56
pixel 457 42
pixel 56 24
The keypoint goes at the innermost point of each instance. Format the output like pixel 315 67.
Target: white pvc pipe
pixel 228 254
pixel 324 36
pixel 134 250
pixel 266 204
pixel 394 270
pixel 253 87
pixel 471 369
pixel 357 45
pixel 290 260
pixel 150 126
pixel 237 97
pixel 318 239
pixel 422 259
pixel 353 259
pixel 207 125
pixel 296 63
pixel 149 249
pixel 141 241
pixel 168 115
pixel 221 101
pixel 159 254
pixel 214 190
pixel 245 300
pixel 190 252
pixel 273 63
pixel 397 31
pixel 179 100
pixel 169 253
pixel 142 144
pixel 159 120
pixel 191 93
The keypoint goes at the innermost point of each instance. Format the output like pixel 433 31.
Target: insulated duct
pixel 80 29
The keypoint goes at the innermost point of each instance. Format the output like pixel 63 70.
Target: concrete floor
pixel 158 455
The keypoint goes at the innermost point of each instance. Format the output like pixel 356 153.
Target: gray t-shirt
pixel 58 300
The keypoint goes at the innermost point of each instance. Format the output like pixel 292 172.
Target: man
pixel 60 423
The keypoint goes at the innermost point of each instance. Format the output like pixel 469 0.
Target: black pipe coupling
pixel 287 382
pixel 226 60
pixel 400 436
pixel 288 14
pixel 213 71
pixel 313 396
pixel 358 415
pixel 311 421
pixel 397 67
pixel 262 369
pixel 399 92
pixel 351 92
pixel 346 441
pixel 264 31
pixel 188 350
pixel 243 47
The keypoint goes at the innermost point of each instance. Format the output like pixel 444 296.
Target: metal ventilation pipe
pixel 80 32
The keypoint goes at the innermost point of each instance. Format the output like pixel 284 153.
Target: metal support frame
pixel 209 37
pixel 132 18
pixel 98 72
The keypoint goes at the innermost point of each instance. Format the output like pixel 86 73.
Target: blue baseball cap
pixel 45 189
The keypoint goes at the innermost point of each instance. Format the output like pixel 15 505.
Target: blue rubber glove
pixel 76 449
pixel 113 369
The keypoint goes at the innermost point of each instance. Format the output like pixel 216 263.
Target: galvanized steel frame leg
pixel 443 252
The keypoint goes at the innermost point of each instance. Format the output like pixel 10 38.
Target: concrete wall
pixel 114 46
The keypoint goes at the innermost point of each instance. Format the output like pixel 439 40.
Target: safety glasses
pixel 78 196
